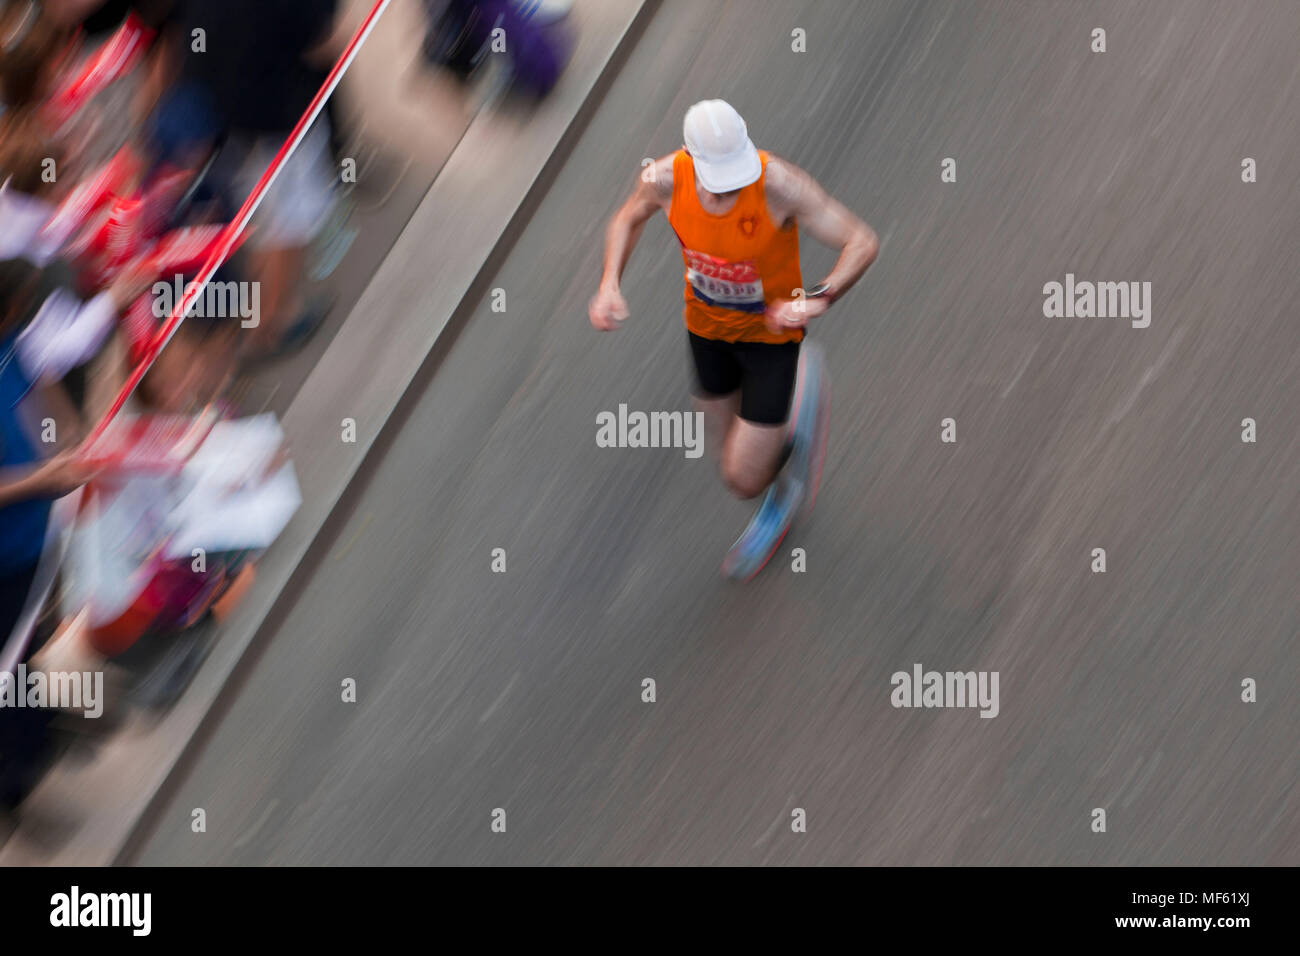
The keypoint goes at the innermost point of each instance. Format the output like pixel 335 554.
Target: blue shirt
pixel 22 524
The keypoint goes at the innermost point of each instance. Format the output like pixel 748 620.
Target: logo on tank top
pixel 720 282
pixel 748 224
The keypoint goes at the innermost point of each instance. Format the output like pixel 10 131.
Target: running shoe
pixel 759 541
pixel 810 422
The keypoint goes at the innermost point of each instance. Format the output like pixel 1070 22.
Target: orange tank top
pixel 736 263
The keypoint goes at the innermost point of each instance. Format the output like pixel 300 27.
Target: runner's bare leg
pixel 751 457
pixel 719 415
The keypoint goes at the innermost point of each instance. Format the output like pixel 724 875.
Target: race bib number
pixel 730 285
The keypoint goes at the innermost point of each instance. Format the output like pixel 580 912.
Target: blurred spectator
pixel 76 257
pixel 460 33
pixel 32 50
pixel 27 484
pixel 260 64
pixel 27 198
pixel 64 331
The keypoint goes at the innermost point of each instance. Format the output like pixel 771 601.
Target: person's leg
pixel 717 389
pixel 13 598
pixel 278 272
pixel 23 731
pixel 756 447
pixel 291 216
pixel 720 414
pixel 752 457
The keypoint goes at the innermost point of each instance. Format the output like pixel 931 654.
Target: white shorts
pixel 296 205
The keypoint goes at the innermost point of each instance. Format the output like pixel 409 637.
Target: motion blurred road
pixel 1118 690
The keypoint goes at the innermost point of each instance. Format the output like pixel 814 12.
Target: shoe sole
pixel 768 557
pixel 821 436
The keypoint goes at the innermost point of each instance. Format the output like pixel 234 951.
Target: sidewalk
pixel 397 305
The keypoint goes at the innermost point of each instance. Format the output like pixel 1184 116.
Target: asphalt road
pixel 1118 690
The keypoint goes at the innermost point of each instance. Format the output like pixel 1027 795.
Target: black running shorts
pixel 763 372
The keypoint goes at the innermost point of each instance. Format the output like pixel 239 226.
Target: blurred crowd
pixel 132 131
pixel 131 134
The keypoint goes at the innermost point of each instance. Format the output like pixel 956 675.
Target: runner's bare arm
pixel 654 191
pixel 793 194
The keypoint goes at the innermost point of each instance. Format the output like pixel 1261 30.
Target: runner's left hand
pixel 783 314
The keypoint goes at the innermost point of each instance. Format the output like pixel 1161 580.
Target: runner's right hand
pixel 607 309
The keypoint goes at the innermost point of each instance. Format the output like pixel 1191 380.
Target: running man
pixel 736 211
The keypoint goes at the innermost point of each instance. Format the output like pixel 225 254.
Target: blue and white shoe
pixel 759 541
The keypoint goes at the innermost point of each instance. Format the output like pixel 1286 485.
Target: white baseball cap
pixel 716 137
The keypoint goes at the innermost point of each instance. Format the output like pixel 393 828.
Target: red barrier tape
pixel 230 235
